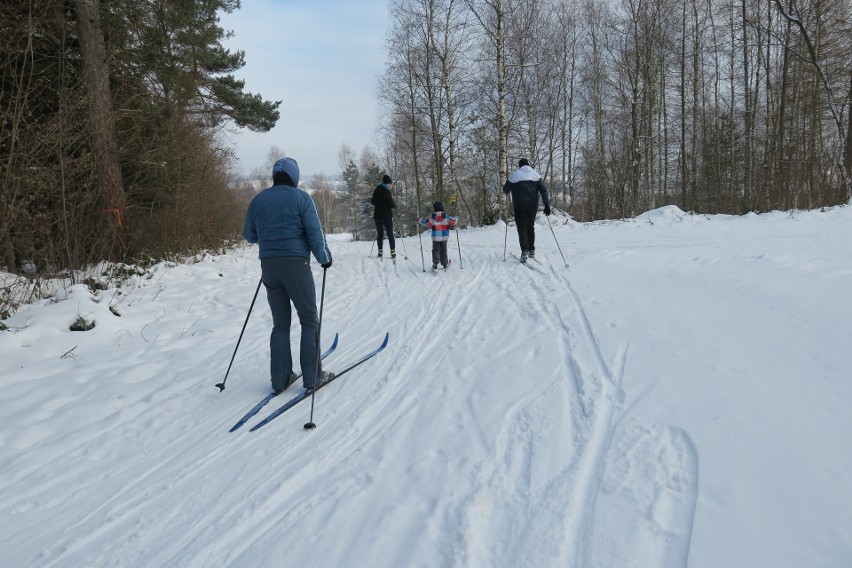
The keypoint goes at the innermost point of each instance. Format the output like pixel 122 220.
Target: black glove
pixel 547 209
pixel 326 265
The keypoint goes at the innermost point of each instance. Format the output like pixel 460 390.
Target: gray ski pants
pixel 289 279
pixel 439 253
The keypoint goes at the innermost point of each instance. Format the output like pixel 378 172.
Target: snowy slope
pixel 679 395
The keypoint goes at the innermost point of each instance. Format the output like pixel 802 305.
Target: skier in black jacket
pixel 383 214
pixel 525 185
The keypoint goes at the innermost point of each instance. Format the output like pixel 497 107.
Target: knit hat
pixel 386 179
pixel 438 206
pixel 523 162
pixel 289 167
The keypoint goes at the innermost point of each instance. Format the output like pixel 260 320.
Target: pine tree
pixel 175 47
pixel 350 176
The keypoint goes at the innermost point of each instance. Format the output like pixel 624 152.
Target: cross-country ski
pixel 265 400
pixel 307 393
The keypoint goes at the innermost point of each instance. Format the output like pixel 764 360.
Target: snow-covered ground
pixel 679 396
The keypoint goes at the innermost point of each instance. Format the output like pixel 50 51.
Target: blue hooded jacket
pixel 283 220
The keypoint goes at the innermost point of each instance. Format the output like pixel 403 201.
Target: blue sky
pixel 321 58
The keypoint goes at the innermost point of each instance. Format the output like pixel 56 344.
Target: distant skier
pixel 525 185
pixel 283 220
pixel 440 223
pixel 383 214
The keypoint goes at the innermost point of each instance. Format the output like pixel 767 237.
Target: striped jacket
pixel 441 223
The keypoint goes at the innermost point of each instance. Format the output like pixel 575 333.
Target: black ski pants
pixel 383 225
pixel 525 221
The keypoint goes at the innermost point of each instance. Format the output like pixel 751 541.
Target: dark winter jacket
pixel 383 201
pixel 525 185
pixel 283 220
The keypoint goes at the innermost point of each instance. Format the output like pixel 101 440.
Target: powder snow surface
pixel 680 395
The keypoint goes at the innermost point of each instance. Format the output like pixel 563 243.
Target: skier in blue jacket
pixel 284 222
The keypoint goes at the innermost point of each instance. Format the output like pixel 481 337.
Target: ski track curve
pixel 663 468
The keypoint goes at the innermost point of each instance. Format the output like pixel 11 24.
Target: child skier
pixel 440 223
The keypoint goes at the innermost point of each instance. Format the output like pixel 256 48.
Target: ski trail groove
pixel 598 404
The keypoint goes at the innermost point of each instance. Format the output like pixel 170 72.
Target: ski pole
pixel 222 384
pixel 557 241
pixel 458 242
pixel 420 238
pixel 505 237
pixel 399 232
pixel 310 425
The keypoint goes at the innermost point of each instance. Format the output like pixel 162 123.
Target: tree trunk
pixel 745 194
pixel 502 123
pixel 104 140
pixel 847 151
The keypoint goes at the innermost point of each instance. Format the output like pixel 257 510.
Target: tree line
pixel 110 134
pixel 716 106
pixel 113 110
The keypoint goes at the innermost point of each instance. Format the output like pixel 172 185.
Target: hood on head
pixel 289 167
pixel 524 173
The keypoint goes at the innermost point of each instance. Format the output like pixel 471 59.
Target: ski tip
pixel 385 342
pixel 334 343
